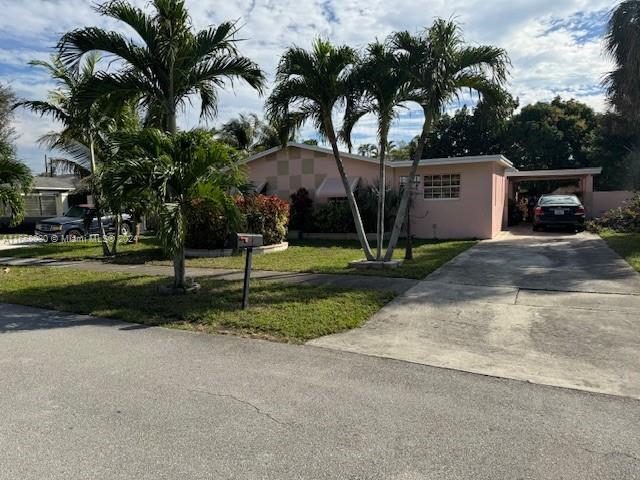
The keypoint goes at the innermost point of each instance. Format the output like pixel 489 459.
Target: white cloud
pixel 550 47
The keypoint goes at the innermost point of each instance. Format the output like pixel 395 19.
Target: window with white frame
pixel 442 186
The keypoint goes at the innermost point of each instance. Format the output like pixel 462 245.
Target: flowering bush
pixel 268 216
pixel 622 219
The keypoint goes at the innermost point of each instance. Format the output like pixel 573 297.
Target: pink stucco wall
pixel 470 216
pixel 285 171
pixel 478 213
pixel 603 201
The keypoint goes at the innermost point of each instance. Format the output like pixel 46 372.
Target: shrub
pixel 301 211
pixel 210 221
pixel 624 219
pixel 268 216
pixel 333 217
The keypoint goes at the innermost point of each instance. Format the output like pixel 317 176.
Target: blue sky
pixel 555 46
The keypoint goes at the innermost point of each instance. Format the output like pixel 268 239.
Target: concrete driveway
pixel 85 398
pixel 553 308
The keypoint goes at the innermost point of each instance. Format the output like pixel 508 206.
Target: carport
pixel 583 176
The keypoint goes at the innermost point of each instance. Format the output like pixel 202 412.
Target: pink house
pixel 462 197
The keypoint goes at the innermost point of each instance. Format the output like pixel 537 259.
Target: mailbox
pixel 248 240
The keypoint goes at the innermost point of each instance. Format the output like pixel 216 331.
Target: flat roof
pixel 564 172
pixel 501 159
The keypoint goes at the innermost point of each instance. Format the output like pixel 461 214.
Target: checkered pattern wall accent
pixel 293 169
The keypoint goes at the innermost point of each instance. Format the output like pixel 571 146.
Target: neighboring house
pixel 49 197
pixel 462 197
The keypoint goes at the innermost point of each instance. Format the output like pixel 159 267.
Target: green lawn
pixel 292 313
pixel 147 249
pixel 324 256
pixel 318 256
pixel 627 245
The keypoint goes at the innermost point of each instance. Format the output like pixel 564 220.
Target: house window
pixel 442 186
pixel 405 178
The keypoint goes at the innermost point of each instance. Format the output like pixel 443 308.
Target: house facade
pixel 455 197
pixel 460 197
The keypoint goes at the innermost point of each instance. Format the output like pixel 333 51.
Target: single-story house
pixel 49 197
pixel 460 197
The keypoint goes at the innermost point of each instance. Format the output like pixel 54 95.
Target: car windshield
pixel 559 200
pixel 76 212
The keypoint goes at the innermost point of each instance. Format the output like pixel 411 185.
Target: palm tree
pixel 368 150
pixel 240 132
pixel 169 64
pixel 622 43
pixel 380 87
pixel 170 170
pixel 83 129
pixel 250 134
pixel 309 85
pixel 439 66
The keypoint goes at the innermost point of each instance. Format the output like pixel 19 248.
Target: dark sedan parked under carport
pixel 558 210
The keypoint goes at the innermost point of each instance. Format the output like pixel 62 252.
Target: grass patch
pixel 146 249
pixel 315 256
pixel 324 256
pixel 627 245
pixel 282 312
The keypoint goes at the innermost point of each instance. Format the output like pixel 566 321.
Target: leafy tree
pixel 559 134
pixel 439 66
pixel 380 86
pixel 310 84
pixel 15 176
pixel 622 43
pixel 170 63
pixel 171 170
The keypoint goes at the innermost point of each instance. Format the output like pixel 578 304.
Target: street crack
pixel 243 402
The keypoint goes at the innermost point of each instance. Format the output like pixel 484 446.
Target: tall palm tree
pixel 380 87
pixel 622 43
pixel 170 170
pixel 167 65
pixel 310 84
pixel 439 65
pixel 82 129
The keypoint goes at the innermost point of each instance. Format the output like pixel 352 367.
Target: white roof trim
pixel 566 172
pixel 501 159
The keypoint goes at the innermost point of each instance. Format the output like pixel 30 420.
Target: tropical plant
pixel 439 66
pixel 171 63
pixel 84 133
pixel 173 170
pixel 15 180
pixel 310 84
pixel 249 134
pixel 622 43
pixel 368 150
pixel 379 87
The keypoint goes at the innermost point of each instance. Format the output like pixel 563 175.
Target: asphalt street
pixel 84 398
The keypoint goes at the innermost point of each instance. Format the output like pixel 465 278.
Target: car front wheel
pixel 125 229
pixel 74 235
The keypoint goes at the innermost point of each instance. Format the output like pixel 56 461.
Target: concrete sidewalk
pixel 355 282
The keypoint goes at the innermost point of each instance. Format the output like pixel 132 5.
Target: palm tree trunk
pixel 357 219
pixel 404 202
pixel 101 232
pixel 384 133
pixel 179 270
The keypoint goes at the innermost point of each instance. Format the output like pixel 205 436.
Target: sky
pixel 555 47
